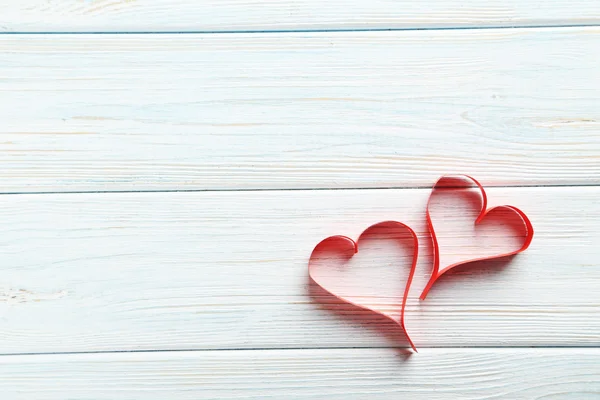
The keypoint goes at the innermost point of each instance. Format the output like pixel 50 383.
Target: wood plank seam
pixel 280 31
pixel 285 16
pixel 321 189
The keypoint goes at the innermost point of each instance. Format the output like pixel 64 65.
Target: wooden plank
pixel 311 110
pixel 224 270
pixel 307 374
pixel 239 15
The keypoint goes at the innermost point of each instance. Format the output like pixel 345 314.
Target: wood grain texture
pixel 433 374
pixel 298 110
pixel 243 15
pixel 228 270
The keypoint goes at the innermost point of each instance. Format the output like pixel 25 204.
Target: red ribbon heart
pixel 483 217
pixel 348 247
pixel 462 183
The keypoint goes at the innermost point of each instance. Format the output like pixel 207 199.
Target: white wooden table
pixel 168 166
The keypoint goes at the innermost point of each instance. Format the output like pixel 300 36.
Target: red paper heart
pixel 343 245
pixel 505 217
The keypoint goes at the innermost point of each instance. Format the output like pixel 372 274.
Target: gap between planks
pixel 279 31
pixel 281 349
pixel 566 185
pixel 284 16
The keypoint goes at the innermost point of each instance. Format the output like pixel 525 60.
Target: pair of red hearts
pixel 466 199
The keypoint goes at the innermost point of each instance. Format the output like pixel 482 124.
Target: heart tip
pixel 412 345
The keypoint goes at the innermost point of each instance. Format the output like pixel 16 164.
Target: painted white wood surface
pixel 433 374
pixel 225 272
pixel 228 270
pixel 243 15
pixel 298 110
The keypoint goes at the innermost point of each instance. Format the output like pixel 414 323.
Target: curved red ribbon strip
pixel 436 273
pixel 345 243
